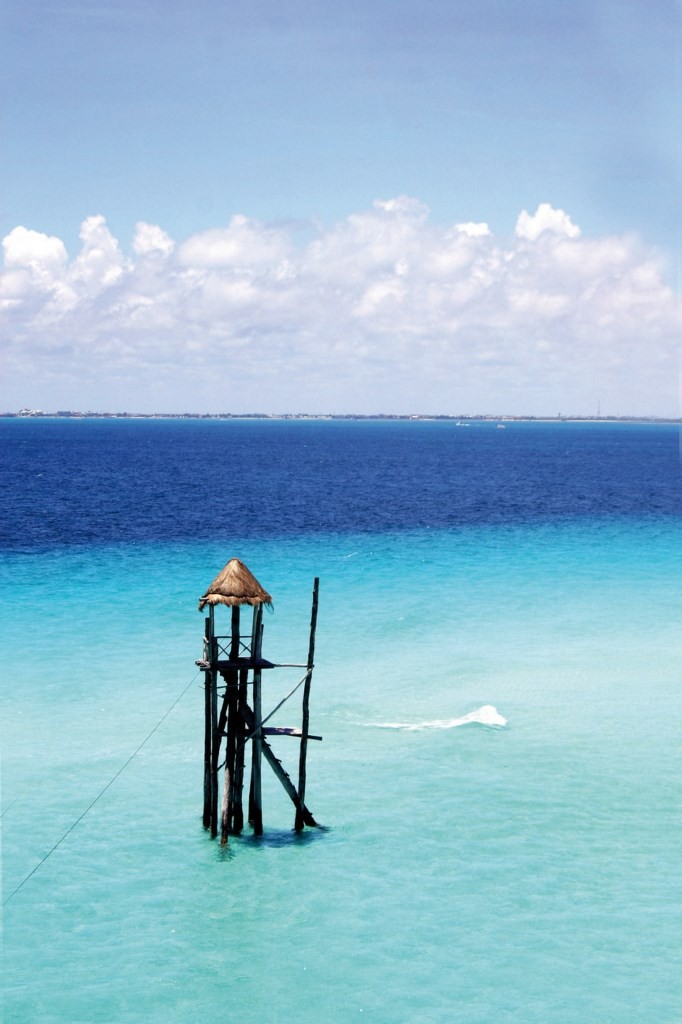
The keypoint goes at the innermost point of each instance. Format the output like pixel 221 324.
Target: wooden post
pixel 230 754
pixel 238 814
pixel 215 735
pixel 299 822
pixel 255 797
pixel 279 771
pixel 234 633
pixel 208 727
pixel 225 808
pixel 231 677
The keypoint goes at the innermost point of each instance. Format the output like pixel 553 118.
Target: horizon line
pixel 27 413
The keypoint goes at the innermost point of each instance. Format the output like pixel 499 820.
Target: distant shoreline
pixel 371 417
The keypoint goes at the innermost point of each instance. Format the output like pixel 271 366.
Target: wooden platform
pixel 281 730
pixel 235 664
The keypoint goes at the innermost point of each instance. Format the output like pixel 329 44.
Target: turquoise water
pixel 529 873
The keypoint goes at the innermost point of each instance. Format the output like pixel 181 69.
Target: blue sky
pixel 302 115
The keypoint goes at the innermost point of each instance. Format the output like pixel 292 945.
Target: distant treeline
pixel 463 418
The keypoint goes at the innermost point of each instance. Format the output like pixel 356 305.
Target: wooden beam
pixel 238 786
pixel 230 720
pixel 225 809
pixel 299 823
pixel 283 730
pixel 279 771
pixel 255 797
pixel 215 735
pixel 230 758
pixel 208 729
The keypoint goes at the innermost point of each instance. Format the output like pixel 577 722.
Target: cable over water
pixel 100 794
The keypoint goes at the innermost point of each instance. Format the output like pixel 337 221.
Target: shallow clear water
pixel 470 873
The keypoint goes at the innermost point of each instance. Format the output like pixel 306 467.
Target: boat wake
pixel 485 715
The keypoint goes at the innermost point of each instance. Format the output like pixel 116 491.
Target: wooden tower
pixel 234 715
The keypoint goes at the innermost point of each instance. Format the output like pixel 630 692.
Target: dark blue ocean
pixel 497 681
pixel 69 482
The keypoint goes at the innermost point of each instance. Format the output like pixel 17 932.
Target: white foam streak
pixel 485 715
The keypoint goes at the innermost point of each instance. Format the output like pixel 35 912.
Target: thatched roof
pixel 235 585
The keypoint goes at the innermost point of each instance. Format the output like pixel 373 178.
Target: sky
pixel 385 206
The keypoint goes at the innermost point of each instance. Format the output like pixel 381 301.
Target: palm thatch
pixel 235 585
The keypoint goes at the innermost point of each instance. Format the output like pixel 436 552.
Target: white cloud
pixel 245 244
pixel 149 238
pixel 35 269
pixel 473 230
pixel 545 219
pixel 382 311
pixel 24 248
pixel 100 262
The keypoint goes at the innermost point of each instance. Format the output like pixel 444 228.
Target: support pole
pixel 212 677
pixel 230 758
pixel 230 706
pixel 225 808
pixel 279 771
pixel 255 797
pixel 208 726
pixel 238 786
pixel 300 820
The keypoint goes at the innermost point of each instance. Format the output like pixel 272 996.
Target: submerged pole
pixel 208 729
pixel 215 737
pixel 255 796
pixel 238 785
pixel 299 822
pixel 231 677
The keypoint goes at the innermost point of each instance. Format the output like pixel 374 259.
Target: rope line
pixel 8 807
pixel 275 710
pixel 100 794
